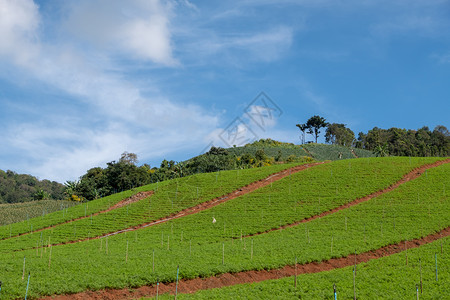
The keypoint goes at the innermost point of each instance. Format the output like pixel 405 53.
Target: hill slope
pixel 381 201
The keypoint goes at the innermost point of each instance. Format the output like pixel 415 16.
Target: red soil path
pixel 134 198
pixel 227 279
pixel 409 176
pixel 211 203
pixel 264 182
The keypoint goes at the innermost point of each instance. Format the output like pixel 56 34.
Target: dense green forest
pixel 16 188
pixel 126 174
pixel 406 142
pixel 393 141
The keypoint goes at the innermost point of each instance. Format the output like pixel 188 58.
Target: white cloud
pixel 442 58
pixel 416 24
pixel 264 46
pixel 19 23
pixel 137 28
pixel 115 115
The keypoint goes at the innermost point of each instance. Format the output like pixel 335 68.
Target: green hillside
pixel 285 151
pixel 16 212
pixel 300 212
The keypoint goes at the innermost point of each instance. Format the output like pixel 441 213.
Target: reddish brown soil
pixel 409 176
pixel 211 203
pixel 134 198
pixel 227 279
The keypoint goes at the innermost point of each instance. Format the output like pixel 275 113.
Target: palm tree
pixel 381 150
pixel 71 187
pixel 302 128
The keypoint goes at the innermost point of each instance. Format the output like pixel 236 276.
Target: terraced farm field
pixel 228 226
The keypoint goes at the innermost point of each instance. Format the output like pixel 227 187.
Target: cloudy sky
pixel 83 81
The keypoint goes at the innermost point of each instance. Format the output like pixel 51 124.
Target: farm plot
pixel 16 212
pixel 388 278
pixel 170 198
pixel 67 214
pixel 333 152
pixel 152 254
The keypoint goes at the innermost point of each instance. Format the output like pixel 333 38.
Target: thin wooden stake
pixel 28 284
pixel 50 257
pixel 331 245
pixel 295 278
pixel 157 288
pixel 420 267
pixel 406 253
pixel 435 256
pixel 176 287
pixel 23 273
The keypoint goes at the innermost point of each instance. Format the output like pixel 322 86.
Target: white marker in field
pixel 214 220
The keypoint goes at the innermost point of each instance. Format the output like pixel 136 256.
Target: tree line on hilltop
pixel 126 174
pixel 392 141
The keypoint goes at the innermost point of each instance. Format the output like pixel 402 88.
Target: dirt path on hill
pixel 211 203
pixel 409 176
pixel 134 198
pixel 228 279
pixel 264 182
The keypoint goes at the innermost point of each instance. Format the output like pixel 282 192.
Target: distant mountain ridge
pixel 15 188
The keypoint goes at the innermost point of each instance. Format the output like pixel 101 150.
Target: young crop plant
pixel 170 197
pixel 17 212
pixel 387 278
pixel 202 248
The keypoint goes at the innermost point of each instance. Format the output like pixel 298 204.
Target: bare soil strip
pixel 354 154
pixel 228 279
pixel 211 203
pixel 134 198
pixel 409 176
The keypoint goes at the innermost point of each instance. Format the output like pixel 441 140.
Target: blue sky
pixel 83 81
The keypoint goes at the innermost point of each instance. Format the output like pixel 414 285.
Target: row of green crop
pixel 16 212
pixel 363 153
pixel 282 151
pixel 321 189
pixel 334 152
pixel 385 278
pixel 67 214
pixel 155 252
pixel 174 196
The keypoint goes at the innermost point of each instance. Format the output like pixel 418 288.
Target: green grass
pixel 284 150
pixel 330 152
pixel 416 208
pixel 170 197
pixel 363 153
pixel 316 151
pixel 384 278
pixel 17 212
